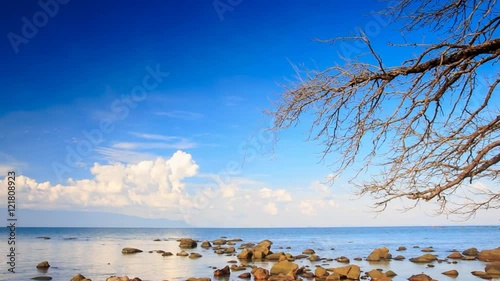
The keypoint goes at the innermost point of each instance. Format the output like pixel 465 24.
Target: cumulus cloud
pixel 271 208
pixel 279 195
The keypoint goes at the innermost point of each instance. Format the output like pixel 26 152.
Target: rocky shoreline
pixel 284 268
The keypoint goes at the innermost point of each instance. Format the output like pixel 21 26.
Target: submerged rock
pixel 128 250
pixel 424 258
pixel 42 278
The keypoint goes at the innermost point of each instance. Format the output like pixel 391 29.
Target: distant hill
pixel 63 218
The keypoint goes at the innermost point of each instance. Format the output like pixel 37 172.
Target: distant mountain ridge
pixel 64 218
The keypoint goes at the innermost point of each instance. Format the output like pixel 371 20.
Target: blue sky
pixel 192 146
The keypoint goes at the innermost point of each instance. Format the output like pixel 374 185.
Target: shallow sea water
pixel 96 252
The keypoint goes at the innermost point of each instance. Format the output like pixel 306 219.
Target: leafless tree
pixel 427 129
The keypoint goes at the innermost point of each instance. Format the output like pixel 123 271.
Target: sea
pixel 96 252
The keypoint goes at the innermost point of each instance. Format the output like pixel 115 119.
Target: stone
pixel 260 273
pixel 298 257
pixel 399 258
pixel 424 258
pixel 206 244
pixel 219 242
pixel 379 254
pixel 281 277
pixel 194 256
pixel 320 272
pixel 428 250
pixel 308 252
pixel 469 258
pixel 198 279
pixel 275 256
pixel 493 268
pixel 229 250
pixel 420 277
pixel 222 272
pixel 342 259
pixel 481 274
pixel 245 254
pixel 401 248
pixel 128 250
pixel 42 278
pixel 452 272
pixel 79 277
pixel 187 243
pixel 489 255
pixel 167 254
pixel 333 277
pixel 43 264
pixel 390 273
pixel 245 275
pixel 235 267
pixel 358 259
pixel 314 257
pixel 473 252
pixel 284 267
pixel 182 254
pixel 375 274
pixel 350 272
pixel 455 255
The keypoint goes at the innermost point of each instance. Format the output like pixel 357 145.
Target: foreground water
pixel 96 252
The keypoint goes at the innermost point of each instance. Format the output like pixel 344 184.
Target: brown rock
pixel 455 255
pixel 284 267
pixel 375 274
pixel 399 258
pixel 245 254
pixel 420 277
pixel 182 254
pixel 481 274
pixel 222 272
pixel 424 258
pixel 308 252
pixel 198 279
pixel 167 254
pixel 350 272
pixel 378 254
pixel 428 250
pixel 229 250
pixel 401 248
pixel 43 264
pixel 489 255
pixel 493 268
pixel 390 273
pixel 470 252
pixel 452 272
pixel 187 243
pixel 314 257
pixel 342 259
pixel 206 244
pixel 260 273
pixel 131 250
pixel 219 242
pixel 245 275
pixel 194 256
pixel 275 256
pixel 79 277
pixel 320 272
pixel 333 277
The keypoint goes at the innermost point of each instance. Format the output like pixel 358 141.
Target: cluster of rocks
pixel 285 269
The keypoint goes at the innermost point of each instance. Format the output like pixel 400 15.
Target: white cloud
pixel 279 195
pixel 154 136
pixel 181 144
pixel 271 208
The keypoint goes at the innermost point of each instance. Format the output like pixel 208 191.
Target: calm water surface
pixel 96 252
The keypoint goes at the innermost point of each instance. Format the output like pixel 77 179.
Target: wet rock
pixel 320 272
pixel 342 259
pixel 222 272
pixel 375 274
pixel 219 242
pixel 198 279
pixel 379 254
pixel 489 255
pixel 284 267
pixel 157 240
pixel 194 256
pixel 481 274
pixel 298 257
pixel 472 252
pixel 493 269
pixel 455 255
pixel 308 252
pixel 314 257
pixel 358 259
pixel 235 267
pixel 274 256
pixel 235 240
pixel 187 243
pixel 452 272
pixel 43 264
pixel 128 250
pixel 281 277
pixel 229 250
pixel 401 248
pixel 167 254
pixel 424 258
pixel 123 278
pixel 79 277
pixel 43 237
pixel 350 272
pixel 428 250
pixel 42 278
pixel 420 277
pixel 206 244
pixel 245 254
pixel 245 275
pixel 182 254
pixel 261 250
pixel 468 258
pixel 260 273
pixel 390 273
pixel 333 277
